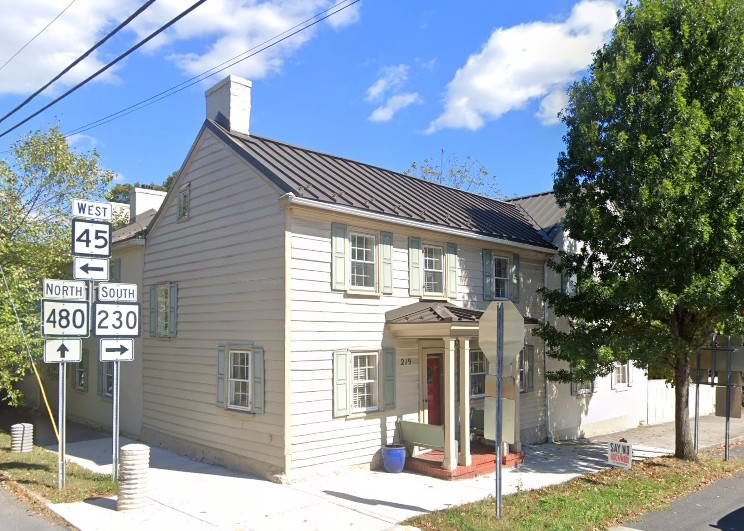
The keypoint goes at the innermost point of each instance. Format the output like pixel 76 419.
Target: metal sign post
pixel 499 377
pixel 61 450
pixel 115 424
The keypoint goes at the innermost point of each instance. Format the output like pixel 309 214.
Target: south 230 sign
pixel 116 319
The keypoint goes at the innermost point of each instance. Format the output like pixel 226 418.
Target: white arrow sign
pixel 117 350
pixel 90 268
pixel 62 351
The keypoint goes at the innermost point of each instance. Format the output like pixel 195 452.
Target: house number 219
pixel 406 361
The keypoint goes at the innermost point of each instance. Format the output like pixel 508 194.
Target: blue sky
pixel 387 82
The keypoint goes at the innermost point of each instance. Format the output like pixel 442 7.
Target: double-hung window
pixel 364 388
pixel 362 261
pixel 106 378
pixel 478 369
pixel 621 376
pixel 363 381
pixel 501 276
pixel 433 270
pixel 80 381
pixel 163 309
pixel 526 370
pixel 240 377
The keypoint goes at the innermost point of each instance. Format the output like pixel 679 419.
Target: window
pixel 433 270
pixel 240 377
pixel 585 387
pixel 500 277
pixel 478 369
pixel 358 378
pixel 362 258
pixel 163 309
pixel 239 380
pixel 115 270
pixel 526 369
pixel 621 376
pixel 184 206
pixel 80 375
pixel 106 378
pixel 357 258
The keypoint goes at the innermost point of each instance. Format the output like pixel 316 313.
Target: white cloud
pixel 552 104
pixel 214 32
pixel 530 61
pixel 385 113
pixel 391 80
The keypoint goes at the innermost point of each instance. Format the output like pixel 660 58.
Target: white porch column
pixel 465 458
pixel 450 454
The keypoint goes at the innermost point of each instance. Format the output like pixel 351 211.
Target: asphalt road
pixel 18 516
pixel 718 506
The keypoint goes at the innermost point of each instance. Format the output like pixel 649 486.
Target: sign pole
pixel 499 378
pixel 62 407
pixel 728 401
pixel 697 401
pixel 115 424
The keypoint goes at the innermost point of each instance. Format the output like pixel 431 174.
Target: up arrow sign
pixel 63 350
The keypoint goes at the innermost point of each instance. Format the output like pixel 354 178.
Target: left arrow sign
pixel 62 351
pixel 90 268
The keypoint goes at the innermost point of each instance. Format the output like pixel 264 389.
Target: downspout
pixel 545 360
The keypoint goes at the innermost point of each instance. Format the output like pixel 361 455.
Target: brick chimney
pixel 229 104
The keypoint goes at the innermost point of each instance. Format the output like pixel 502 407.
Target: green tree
pixel 468 175
pixel 37 185
pixel 652 178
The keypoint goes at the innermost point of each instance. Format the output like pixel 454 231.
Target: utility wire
pixel 109 65
pixel 40 32
pixel 214 70
pixel 79 59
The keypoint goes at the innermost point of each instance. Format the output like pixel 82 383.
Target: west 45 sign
pixel 91 238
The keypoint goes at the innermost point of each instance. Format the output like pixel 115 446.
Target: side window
pixel 478 370
pixel 184 202
pixel 621 377
pixel 105 378
pixel 163 309
pixel 115 270
pixel 240 377
pixel 363 381
pixel 526 369
pixel 80 381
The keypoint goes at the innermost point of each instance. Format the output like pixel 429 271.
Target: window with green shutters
pixel 363 381
pixel 163 309
pixel 361 261
pixel 502 278
pixel 80 380
pixel 432 269
pixel 240 377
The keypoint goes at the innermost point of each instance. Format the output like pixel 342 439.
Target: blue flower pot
pixel 393 457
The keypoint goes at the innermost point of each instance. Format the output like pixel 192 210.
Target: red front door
pixel 434 388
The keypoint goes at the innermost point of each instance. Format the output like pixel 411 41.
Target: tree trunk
pixel 683 448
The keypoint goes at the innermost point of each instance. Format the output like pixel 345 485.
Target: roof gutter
pixel 289 200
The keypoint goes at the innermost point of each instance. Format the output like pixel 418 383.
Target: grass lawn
pixel 36 471
pixel 595 501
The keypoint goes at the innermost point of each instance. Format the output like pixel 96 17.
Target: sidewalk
pixel 192 495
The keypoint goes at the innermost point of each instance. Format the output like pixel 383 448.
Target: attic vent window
pixel 184 202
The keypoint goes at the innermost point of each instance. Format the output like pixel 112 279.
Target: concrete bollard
pixel 134 465
pixel 21 437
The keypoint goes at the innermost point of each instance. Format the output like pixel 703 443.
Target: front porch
pixel 483 462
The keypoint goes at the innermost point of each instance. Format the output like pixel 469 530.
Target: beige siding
pixel 323 321
pixel 228 261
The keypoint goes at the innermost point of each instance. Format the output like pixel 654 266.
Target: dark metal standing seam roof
pixel 335 180
pixel 544 211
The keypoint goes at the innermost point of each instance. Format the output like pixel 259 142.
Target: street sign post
pixel 91 238
pixel 84 268
pixel 116 319
pixel 64 318
pixel 116 349
pixel 62 351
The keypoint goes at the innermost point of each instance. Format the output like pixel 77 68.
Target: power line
pixel 79 59
pixel 40 32
pixel 214 70
pixel 109 65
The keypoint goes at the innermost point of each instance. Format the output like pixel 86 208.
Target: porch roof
pixel 438 318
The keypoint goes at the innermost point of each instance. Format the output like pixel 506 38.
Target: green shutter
pixel 153 310
pixel 516 279
pixel 452 270
pixel 388 371
pixel 259 391
pixel 414 266
pixel 487 274
pixel 172 309
pixel 386 252
pixel 101 378
pixel 530 368
pixel 338 256
pixel 341 383
pixel 221 365
pixel 84 356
